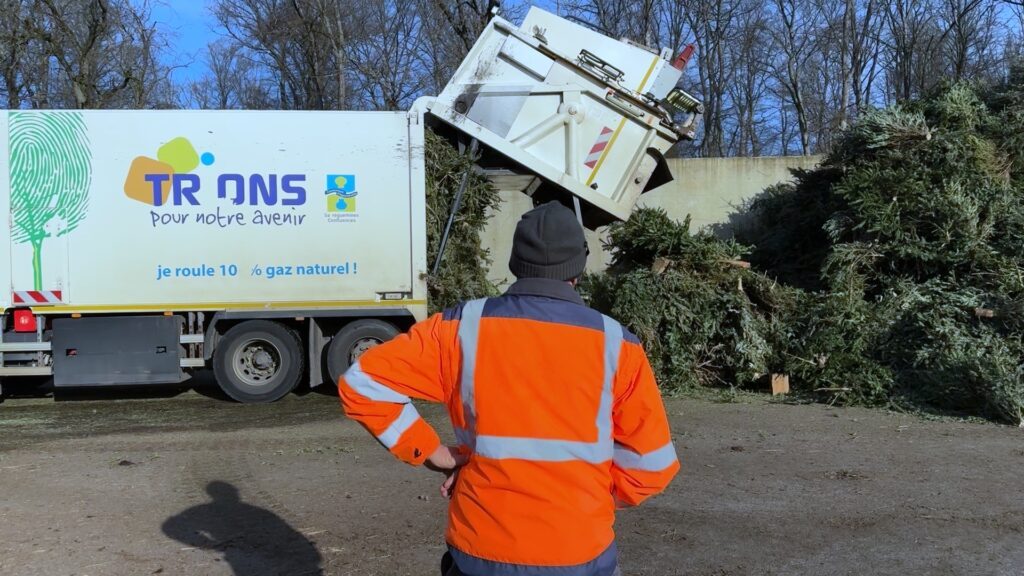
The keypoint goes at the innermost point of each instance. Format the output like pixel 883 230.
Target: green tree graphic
pixel 51 170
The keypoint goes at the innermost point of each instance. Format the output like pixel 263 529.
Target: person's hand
pixel 448 486
pixel 445 459
pixel 448 460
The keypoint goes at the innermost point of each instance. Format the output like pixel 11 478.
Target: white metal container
pixel 562 109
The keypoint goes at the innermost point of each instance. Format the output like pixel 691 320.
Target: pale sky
pixel 190 27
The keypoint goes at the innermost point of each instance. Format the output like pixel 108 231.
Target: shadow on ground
pixel 202 383
pixel 252 540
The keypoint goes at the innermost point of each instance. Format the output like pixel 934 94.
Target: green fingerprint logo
pixel 51 171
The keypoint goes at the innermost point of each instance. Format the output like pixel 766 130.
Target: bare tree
pixel 750 86
pixel 633 19
pixel 232 82
pixel 794 33
pixel 780 78
pixel 851 33
pixel 13 44
pixel 969 38
pixel 450 28
pixel 334 29
pixel 295 42
pixel 862 31
pixel 465 18
pixel 105 52
pixel 911 39
pixel 713 22
pixel 388 64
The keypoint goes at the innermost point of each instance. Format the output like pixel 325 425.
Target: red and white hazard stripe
pixel 36 297
pixel 599 145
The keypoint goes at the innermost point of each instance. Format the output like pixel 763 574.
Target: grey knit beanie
pixel 548 243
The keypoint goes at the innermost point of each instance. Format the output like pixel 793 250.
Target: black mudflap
pixel 114 351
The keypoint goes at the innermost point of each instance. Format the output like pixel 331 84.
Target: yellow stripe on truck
pixel 622 122
pixel 611 142
pixel 216 306
pixel 650 70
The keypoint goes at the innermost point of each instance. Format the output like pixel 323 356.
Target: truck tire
pixel 352 341
pixel 258 361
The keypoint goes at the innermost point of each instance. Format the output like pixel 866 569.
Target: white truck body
pixel 255 229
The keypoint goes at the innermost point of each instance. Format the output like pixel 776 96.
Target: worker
pixel 557 416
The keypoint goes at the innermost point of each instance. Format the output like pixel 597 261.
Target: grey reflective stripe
pixel 654 461
pixel 393 434
pixel 370 388
pixel 542 450
pixel 469 338
pixel 612 348
pixel 536 449
pixel 366 386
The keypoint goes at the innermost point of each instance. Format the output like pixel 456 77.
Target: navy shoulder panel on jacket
pixel 543 309
pixel 453 313
pixel 629 336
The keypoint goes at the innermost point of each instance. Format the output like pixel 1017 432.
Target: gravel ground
pixel 193 484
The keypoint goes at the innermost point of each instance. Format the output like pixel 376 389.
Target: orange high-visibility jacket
pixel 558 408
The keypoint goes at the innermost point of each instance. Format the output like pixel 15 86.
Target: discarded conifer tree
pixel 899 261
pixel 463 271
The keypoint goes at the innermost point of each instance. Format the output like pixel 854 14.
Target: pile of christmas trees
pixel 892 274
pixel 705 318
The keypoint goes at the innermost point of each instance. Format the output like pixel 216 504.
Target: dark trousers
pixel 448 567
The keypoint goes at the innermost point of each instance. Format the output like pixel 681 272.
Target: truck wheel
pixel 352 341
pixel 258 361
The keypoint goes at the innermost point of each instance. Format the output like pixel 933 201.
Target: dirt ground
pixel 194 484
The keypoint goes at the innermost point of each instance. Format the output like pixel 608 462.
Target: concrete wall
pixel 709 189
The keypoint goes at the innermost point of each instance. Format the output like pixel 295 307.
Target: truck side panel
pixel 5 213
pixel 417 175
pixel 222 210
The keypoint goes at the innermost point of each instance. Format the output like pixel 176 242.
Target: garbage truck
pixel 275 247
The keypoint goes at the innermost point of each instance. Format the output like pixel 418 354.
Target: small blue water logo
pixel 341 193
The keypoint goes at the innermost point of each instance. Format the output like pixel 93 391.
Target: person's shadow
pixel 253 541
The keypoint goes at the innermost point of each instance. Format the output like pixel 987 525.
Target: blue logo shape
pixel 341 193
pixel 342 184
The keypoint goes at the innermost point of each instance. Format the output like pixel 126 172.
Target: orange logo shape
pixel 137 188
